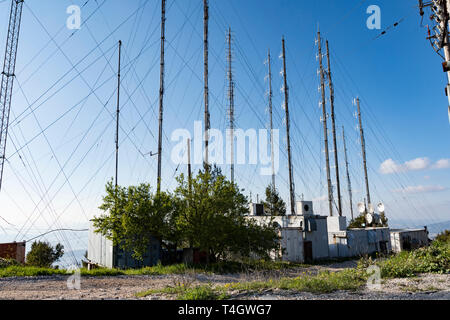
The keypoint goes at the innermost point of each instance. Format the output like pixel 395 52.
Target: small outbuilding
pixel 408 239
pixel 103 253
pixel 14 250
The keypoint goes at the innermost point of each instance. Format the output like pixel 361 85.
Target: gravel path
pixel 429 286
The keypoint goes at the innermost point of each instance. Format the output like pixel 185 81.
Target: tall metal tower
pixel 161 91
pixel 270 96
pixel 8 74
pixel 333 126
pixel 438 35
pixel 118 113
pixel 363 149
pixel 349 183
pixel 206 90
pixel 325 127
pixel 288 137
pixel 231 101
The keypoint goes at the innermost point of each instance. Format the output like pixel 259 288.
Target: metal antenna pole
pixel 189 164
pixel 348 173
pixel 272 156
pixel 363 148
pixel 325 127
pixel 206 94
pixel 333 124
pixel 118 114
pixel 8 74
pixel 440 16
pixel 286 107
pixel 161 92
pixel 231 99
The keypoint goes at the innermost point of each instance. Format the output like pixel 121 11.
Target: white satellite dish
pixel 361 207
pixel 369 218
pixel 380 207
pixel 371 209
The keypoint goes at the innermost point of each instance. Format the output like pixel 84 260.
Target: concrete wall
pixel 358 242
pixel 319 238
pixel 292 243
pixel 408 239
pixel 100 249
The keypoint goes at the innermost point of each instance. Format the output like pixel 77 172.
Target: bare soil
pixel 427 286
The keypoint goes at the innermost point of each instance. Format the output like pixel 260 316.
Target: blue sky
pixel 397 76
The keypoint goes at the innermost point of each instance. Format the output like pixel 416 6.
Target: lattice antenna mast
pixel 324 121
pixel 270 96
pixel 349 183
pixel 363 149
pixel 438 35
pixel 118 114
pixel 161 91
pixel 333 125
pixel 8 74
pixel 206 91
pixel 231 102
pixel 285 89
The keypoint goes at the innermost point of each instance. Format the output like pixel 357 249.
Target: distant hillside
pixel 436 228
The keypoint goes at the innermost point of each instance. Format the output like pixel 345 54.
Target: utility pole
pixel 231 108
pixel 363 148
pixel 325 127
pixel 348 174
pixel 189 165
pixel 439 40
pixel 8 75
pixel 270 95
pixel 333 124
pixel 206 93
pixel 161 92
pixel 118 114
pixel 286 108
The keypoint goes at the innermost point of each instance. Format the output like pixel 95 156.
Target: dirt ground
pixel 429 286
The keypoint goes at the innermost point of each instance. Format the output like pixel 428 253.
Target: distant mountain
pixel 436 228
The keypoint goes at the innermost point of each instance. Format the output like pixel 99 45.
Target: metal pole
pixel 8 75
pixel 333 124
pixel 286 107
pixel 118 114
pixel 231 98
pixel 161 92
pixel 363 148
pixel 189 165
pixel 348 174
pixel 325 128
pixel 272 156
pixel 206 94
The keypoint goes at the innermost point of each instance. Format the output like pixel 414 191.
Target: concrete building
pixel 344 243
pixel 14 250
pixel 304 236
pixel 103 253
pixel 408 239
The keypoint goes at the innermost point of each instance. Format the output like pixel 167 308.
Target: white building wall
pixel 415 237
pixel 292 244
pixel 319 239
pixel 100 249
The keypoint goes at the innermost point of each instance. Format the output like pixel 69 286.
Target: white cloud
pixel 441 164
pixel 322 198
pixel 420 189
pixel 389 166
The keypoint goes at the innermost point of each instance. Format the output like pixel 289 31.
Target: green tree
pixel 274 205
pixel 134 215
pixel 213 217
pixel 43 255
pixel 444 236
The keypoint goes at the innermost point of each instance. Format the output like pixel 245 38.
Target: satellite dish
pixel 380 207
pixel 361 207
pixel 369 219
pixel 371 209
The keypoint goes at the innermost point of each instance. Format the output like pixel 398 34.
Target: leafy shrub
pixel 444 237
pixel 43 255
pixel 8 262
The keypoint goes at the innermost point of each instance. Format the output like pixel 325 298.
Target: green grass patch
pixel 406 264
pixel 182 292
pixel 24 271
